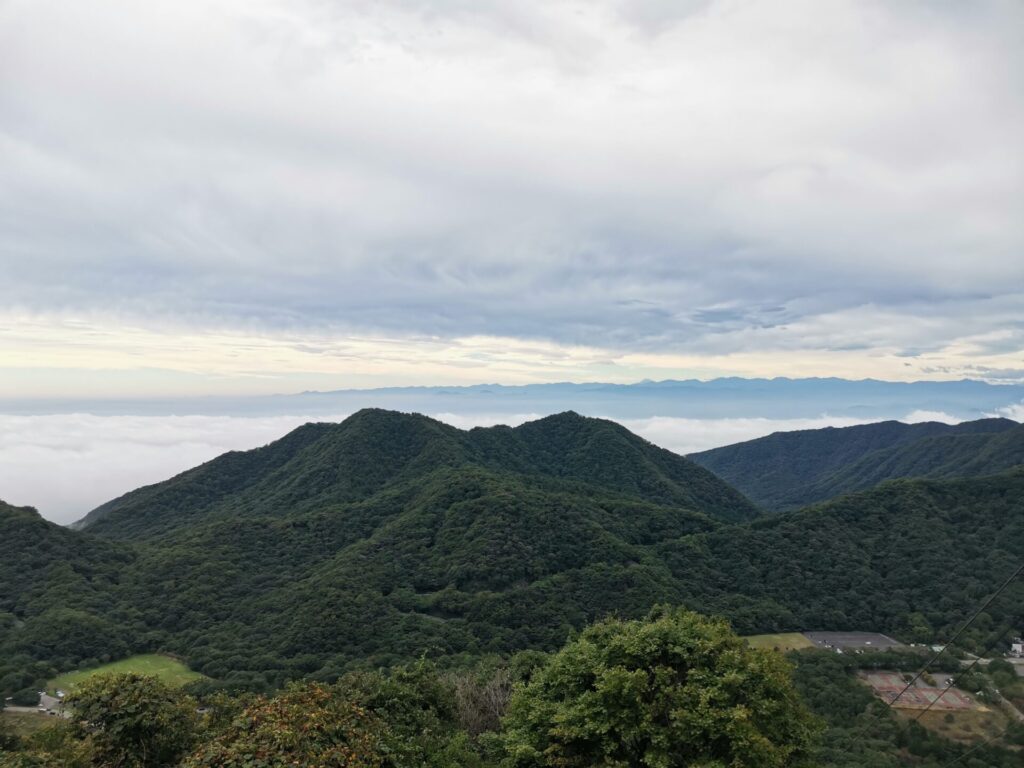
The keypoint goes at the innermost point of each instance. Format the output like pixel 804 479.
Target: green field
pixel 785 641
pixel 171 671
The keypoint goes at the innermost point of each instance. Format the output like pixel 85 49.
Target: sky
pixel 247 197
pixel 250 196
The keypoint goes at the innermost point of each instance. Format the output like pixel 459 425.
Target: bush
pixel 134 721
pixel 671 691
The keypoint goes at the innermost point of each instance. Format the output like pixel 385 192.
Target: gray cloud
pixel 703 177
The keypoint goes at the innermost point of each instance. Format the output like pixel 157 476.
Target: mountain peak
pixel 374 450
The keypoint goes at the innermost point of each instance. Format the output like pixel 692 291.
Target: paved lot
pixel 850 641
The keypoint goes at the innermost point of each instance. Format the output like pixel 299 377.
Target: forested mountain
pixel 42 562
pixel 390 536
pixel 788 470
pixel 57 603
pixel 376 452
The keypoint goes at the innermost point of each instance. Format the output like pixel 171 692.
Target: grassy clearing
pixel 783 641
pixel 963 725
pixel 26 723
pixel 171 671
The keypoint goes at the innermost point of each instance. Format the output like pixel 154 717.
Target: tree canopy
pixel 671 691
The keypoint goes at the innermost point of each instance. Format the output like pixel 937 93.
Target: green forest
pixel 393 550
pixel 789 470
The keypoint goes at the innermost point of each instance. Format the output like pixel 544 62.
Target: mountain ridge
pixel 340 463
pixel 788 470
pixel 301 576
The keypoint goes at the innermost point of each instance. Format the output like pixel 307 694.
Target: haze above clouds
pixel 264 196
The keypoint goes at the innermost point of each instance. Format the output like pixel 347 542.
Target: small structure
pixel 1017 648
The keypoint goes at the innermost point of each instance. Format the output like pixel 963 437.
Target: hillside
pixel 41 560
pixel 908 557
pixel 788 470
pixel 56 598
pixel 319 465
pixel 348 551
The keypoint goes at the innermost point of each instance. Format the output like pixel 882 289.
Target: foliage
pixel 389 538
pixel 788 470
pixel 131 720
pixel 421 713
pixel 8 738
pixel 861 731
pixel 53 747
pixel 373 542
pixel 307 724
pixel 674 690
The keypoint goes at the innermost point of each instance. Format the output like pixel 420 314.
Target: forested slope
pixel 788 470
pixel 320 465
pixel 344 551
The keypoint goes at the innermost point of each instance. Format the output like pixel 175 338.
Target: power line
pixel 959 632
pixel 974 749
pixel 973 664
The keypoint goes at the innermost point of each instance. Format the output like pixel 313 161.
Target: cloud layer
pixel 67 465
pixel 766 182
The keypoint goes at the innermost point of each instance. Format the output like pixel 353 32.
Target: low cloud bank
pixel 65 465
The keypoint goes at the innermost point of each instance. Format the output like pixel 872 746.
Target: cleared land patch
pixel 966 726
pixel 780 641
pixel 170 671
pixel 888 685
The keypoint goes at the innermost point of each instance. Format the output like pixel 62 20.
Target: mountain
pixel 389 536
pixel 374 451
pixel 731 397
pixel 56 591
pixel 909 557
pixel 787 470
pixel 42 561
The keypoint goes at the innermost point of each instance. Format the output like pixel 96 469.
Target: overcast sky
pixel 241 196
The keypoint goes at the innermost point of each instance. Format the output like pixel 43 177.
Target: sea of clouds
pixel 65 465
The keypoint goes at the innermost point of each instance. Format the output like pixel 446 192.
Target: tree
pixel 306 724
pixel 419 710
pixel 133 720
pixel 673 690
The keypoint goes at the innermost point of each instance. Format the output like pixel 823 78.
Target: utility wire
pixel 959 632
pixel 974 749
pixel 973 664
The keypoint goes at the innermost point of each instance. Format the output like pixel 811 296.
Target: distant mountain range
pixel 392 535
pixel 787 470
pixel 779 398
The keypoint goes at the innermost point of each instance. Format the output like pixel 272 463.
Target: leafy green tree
pixel 673 690
pixel 133 720
pixel 305 725
pixel 420 710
